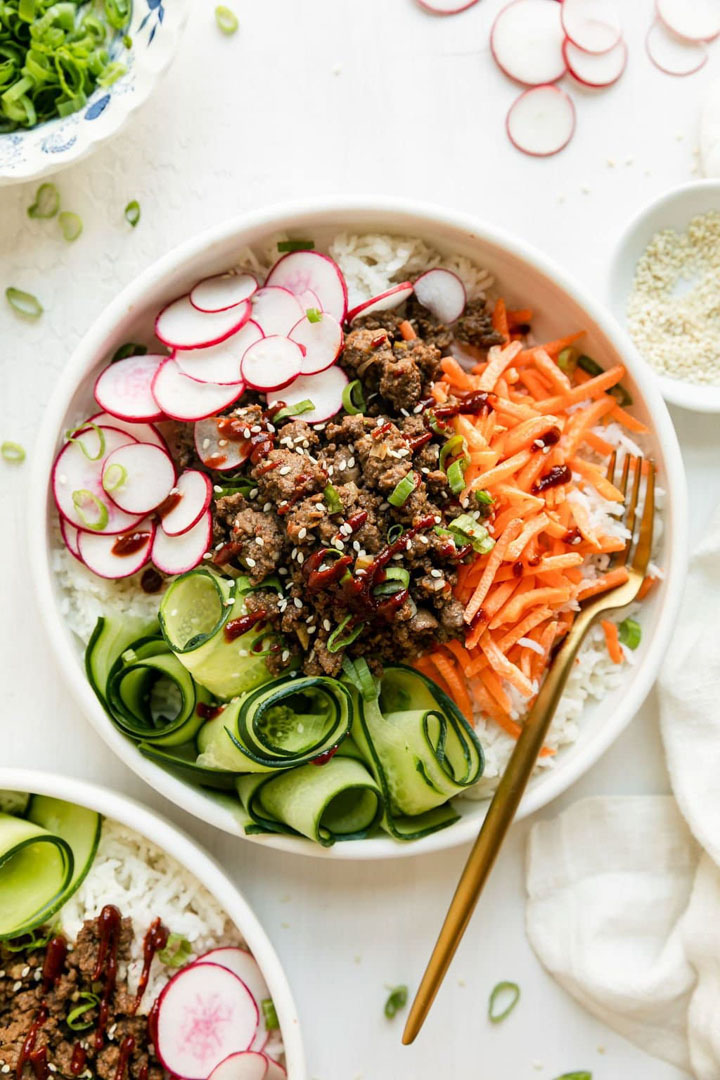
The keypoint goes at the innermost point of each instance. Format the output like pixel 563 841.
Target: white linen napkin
pixel 624 893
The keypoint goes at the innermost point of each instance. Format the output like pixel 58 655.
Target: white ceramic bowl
pixel 525 277
pixel 156 29
pixel 197 862
pixel 671 211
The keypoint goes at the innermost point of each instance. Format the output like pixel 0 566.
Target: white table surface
pixel 316 96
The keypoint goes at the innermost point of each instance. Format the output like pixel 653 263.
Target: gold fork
pixel 635 557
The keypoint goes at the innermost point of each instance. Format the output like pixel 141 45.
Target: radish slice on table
pixel 526 41
pixel 138 477
pixel 117 556
pixel 183 398
pixel 384 301
pixel 222 291
pixel 124 389
pixel 446 7
pixel 77 482
pixel 70 537
pixel 299 271
pixel 696 20
pixel 541 121
pixel 276 311
pixel 442 293
pixel 187 502
pixel 209 1002
pixel 321 338
pixel 245 966
pixel 272 363
pixel 140 432
pixel 178 554
pixel 182 326
pixel 595 69
pixel 672 54
pixel 592 25
pixel 246 1065
pixel 325 390
pixel 220 363
pixel 216 450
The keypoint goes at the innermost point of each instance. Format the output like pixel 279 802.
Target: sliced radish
pixel 272 363
pixel 187 502
pixel 592 25
pixel 138 477
pixel 178 554
pixel 308 299
pixel 275 1070
pixel 141 432
pixel 446 7
pixel 215 450
pixel 117 556
pixel 299 271
pixel 541 121
pixel 696 20
pixel 124 388
pixel 526 41
pixel 220 363
pixel 672 54
pixel 321 339
pixel 384 301
pixel 205 1013
pixel 182 326
pixel 70 537
pixel 247 1065
pixel 245 966
pixel 183 398
pixel 222 291
pixel 595 69
pixel 442 293
pixel 276 310
pixel 325 390
pixel 77 482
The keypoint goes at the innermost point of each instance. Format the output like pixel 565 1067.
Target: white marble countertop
pixel 316 96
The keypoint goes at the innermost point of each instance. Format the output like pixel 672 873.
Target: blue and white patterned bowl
pixel 155 28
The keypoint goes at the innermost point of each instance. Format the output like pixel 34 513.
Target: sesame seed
pixel 342 465
pixel 206 444
pixel 346 529
pixel 327 625
pixel 207 555
pixel 351 463
pixel 293 553
pixel 418 409
pixel 297 602
pixel 331 470
pixel 300 558
pixel 404 412
pixel 246 433
pixel 338 544
pixel 285 655
pixel 254 493
pixel 222 442
pixel 250 562
pixel 256 429
pixel 25 971
pixel 217 488
pixel 438 585
pixel 282 570
pixel 259 541
pixel 356 545
pixel 17 986
pixel 436 573
pixel 311 629
pixel 302 533
pixel 267 507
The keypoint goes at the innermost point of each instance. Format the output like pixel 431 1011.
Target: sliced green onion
pixel 358 672
pixel 226 19
pixel 456 475
pixel 630 633
pixel 177 951
pixel 472 532
pixel 503 999
pixel 74 1018
pixel 339 639
pixel 296 245
pixel 314 315
pixel 74 436
pixel 621 395
pixel 397 578
pixel 24 303
pixel 353 398
pixel 452 447
pixel 130 348
pixel 440 427
pixel 575 1076
pixel 114 477
pixel 81 498
pixel 294 410
pixel 35 939
pixel 403 490
pixel 47 202
pixel 567 361
pixel 587 364
pixel 269 1014
pixel 26 10
pixel 71 225
pixel 127 41
pixel 132 212
pixel 397 1000
pixel 332 500
pixel 13 453
pixel 485 502
pixel 395 532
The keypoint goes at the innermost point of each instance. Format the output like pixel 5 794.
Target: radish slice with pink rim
pixel 325 390
pixel 595 69
pixel 71 537
pixel 442 293
pixel 308 299
pixel 182 326
pixel 275 1070
pixel 222 291
pixel 696 20
pixel 276 310
pixel 124 389
pixel 321 339
pixel 183 398
pixel 77 482
pixel 194 491
pixel 385 301
pixel 138 477
pixel 446 7
pixel 245 1065
pixel 672 54
pixel 541 121
pixel 592 25
pixel 117 557
pixel 220 363
pixel 215 450
pixel 299 271
pixel 178 554
pixel 245 966
pixel 526 42
pixel 141 432
pixel 272 363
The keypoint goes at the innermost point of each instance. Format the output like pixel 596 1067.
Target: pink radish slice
pixel 222 291
pixel 299 271
pixel 526 41
pixel 275 1070
pixel 446 7
pixel 272 363
pixel 138 477
pixel 541 121
pixel 220 363
pixel 183 398
pixel 442 293
pixel 308 299
pixel 147 433
pixel 321 340
pixel 592 25
pixel 215 450
pixel 70 537
pixel 595 69
pixel 74 472
pixel 124 388
pixel 178 554
pixel 104 554
pixel 276 311
pixel 245 966
pixel 182 326
pixel 696 20
pixel 247 1065
pixel 205 1013
pixel 325 390
pixel 384 301
pixel 672 54
pixel 195 494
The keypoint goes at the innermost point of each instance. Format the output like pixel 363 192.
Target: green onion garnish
pixel 575 1076
pixel 451 448
pixel 130 348
pixel 469 531
pixel 295 245
pixel 353 398
pixel 397 578
pixel 71 225
pixel 226 19
pixel 306 405
pixel 503 1000
pixel 132 212
pixel 13 453
pixel 394 532
pixel 314 315
pixel 593 368
pixel 82 499
pixel 332 500
pixel 47 202
pixel 24 303
pixel 74 436
pixel 358 672
pixel 176 952
pixel 34 939
pixel 484 497
pixel 403 490
pixel 396 1000
pixel 566 361
pixel 456 475
pixel 114 477
pixel 630 633
pixel 269 1014
pixel 440 427
pixel 74 1018
pixel 339 639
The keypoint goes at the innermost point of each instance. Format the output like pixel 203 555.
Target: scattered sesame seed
pixel 436 573
pixel 206 444
pixel 217 488
pixel 222 442
pixel 418 409
pixel 302 533
pixel 246 433
pixel 17 986
pixel 300 558
pixel 356 545
pixel 284 470
pixel 256 429
pixel 404 412
pixel 267 507
pixel 254 493
pixel 327 625
pixel 25 971
pixel 285 655
pixel 250 562
pixel 297 602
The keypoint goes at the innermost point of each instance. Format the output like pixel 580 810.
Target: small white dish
pixel 673 210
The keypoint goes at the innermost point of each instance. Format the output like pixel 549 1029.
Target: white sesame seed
pixel 246 433
pixel 404 412
pixel 17 986
pixel 267 507
pixel 297 602
pixel 331 470
pixel 206 444
pixel 282 570
pixel 217 488
pixel 351 463
pixel 418 409
pixel 436 573
pixel 254 493
pixel 327 625
pixel 342 465
pixel 300 558
pixel 285 655
pixel 256 429
pixel 259 541
pixel 222 442
pixel 207 555
pixel 356 545
pixel 338 544
pixel 346 529
pixel 293 553
pixel 250 562
pixel 25 971
pixel 302 533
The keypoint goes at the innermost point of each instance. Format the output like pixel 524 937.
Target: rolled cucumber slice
pixel 77 825
pixel 36 868
pixel 109 639
pixel 13 802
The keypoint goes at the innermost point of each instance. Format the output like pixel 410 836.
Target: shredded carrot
pixel 611 580
pixel 518 605
pixel 520 317
pixel 552 348
pixel 455 374
pixel 612 640
pixel 498 360
pixel 500 319
pixel 406 329
pixel 492 566
pixel 592 388
pixel 458 689
pixel 646 586
pixel 628 421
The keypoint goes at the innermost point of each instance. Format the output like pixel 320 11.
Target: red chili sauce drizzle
pixel 559 474
pixel 321 577
pixel 109 923
pixel 208 712
pixel 52 968
pixel 29 1044
pixel 300 490
pixel 126 1048
pixel 550 438
pixel 78 1059
pixel 151 581
pixel 152 1021
pixel 237 627
pixel 359 589
pixel 154 941
pixel 169 503
pixel 39 1063
pixel 130 543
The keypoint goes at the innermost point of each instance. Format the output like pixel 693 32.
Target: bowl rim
pixel 274 218
pixel 194 859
